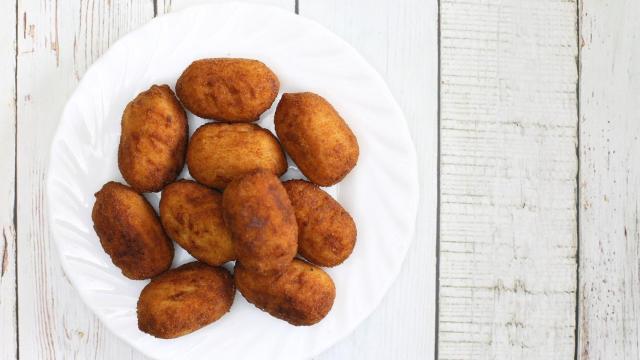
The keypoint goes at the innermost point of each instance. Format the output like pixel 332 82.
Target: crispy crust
pixel 191 214
pixel 302 295
pixel 184 300
pixel 130 232
pixel 326 231
pixel 226 89
pixel 315 136
pixel 153 140
pixel 219 153
pixel 262 222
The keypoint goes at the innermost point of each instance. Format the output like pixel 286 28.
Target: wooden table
pixel 529 166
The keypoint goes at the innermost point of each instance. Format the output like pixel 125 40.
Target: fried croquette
pixel 191 214
pixel 226 89
pixel 326 231
pixel 184 300
pixel 153 141
pixel 130 232
pixel 263 226
pixel 302 295
pixel 218 153
pixel 315 136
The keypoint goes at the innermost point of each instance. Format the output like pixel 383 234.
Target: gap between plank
pixel 155 8
pixel 579 69
pixel 15 184
pixel 438 156
pixel 297 7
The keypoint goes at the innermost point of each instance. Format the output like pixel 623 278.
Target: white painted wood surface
pixel 57 43
pixel 508 179
pixel 399 38
pixel 609 301
pixel 8 323
pixel 508 166
pixel 166 6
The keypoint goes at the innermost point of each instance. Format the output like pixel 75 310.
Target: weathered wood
pixel 57 41
pixel 399 38
pixel 609 293
pixel 165 6
pixel 8 311
pixel 508 232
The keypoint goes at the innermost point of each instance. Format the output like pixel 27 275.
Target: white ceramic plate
pixel 381 193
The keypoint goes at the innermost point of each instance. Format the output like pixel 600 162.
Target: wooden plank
pixel 609 293
pixel 165 6
pixel 399 38
pixel 57 41
pixel 8 311
pixel 403 325
pixel 508 232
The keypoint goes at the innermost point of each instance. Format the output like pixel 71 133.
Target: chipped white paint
pixel 57 41
pixel 609 293
pixel 508 179
pixel 508 173
pixel 8 330
pixel 399 38
pixel 166 6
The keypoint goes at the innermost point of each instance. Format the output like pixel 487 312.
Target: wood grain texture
pixel 508 232
pixel 399 38
pixel 57 41
pixel 8 311
pixel 166 6
pixel 609 301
